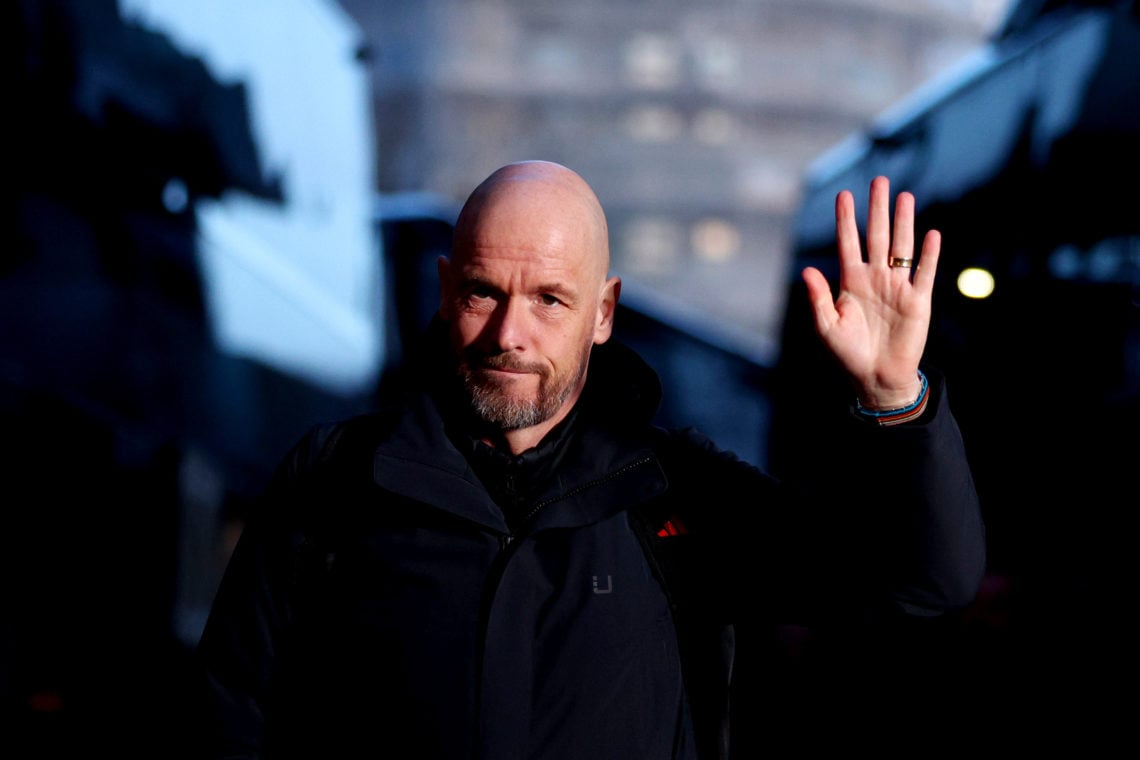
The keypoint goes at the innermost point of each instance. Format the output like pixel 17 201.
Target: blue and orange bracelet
pixel 889 417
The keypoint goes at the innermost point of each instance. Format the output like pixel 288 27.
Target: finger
pixel 902 239
pixel 928 262
pixel 820 298
pixel 879 222
pixel 846 230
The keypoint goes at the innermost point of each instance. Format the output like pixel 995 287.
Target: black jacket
pixel 380 600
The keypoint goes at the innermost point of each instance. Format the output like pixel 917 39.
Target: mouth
pixel 504 366
pixel 503 373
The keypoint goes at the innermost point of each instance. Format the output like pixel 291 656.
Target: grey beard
pixel 492 406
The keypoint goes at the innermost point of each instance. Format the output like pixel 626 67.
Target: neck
pixel 519 440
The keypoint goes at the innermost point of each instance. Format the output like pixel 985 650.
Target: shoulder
pixel 694 463
pixel 689 447
pixel 328 444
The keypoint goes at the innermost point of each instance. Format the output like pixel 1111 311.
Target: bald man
pixel 512 561
pixel 527 295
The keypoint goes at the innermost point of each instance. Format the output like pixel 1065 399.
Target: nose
pixel 509 327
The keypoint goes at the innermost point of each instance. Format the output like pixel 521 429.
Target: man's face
pixel 526 296
pixel 523 321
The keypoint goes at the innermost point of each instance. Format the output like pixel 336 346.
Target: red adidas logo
pixel 672 527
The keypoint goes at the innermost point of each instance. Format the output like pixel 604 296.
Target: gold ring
pixel 895 261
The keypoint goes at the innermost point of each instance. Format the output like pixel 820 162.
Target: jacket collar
pixel 601 459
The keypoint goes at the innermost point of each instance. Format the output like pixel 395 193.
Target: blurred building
pixel 1024 156
pixel 694 121
pixel 190 277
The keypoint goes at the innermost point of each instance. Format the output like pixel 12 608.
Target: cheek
pixel 567 346
pixel 465 330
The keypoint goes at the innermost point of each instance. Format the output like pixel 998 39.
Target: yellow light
pixel 975 282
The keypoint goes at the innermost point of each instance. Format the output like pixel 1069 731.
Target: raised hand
pixel 877 325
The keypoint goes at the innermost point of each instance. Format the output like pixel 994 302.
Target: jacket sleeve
pixel 239 645
pixel 887 518
pixel 926 518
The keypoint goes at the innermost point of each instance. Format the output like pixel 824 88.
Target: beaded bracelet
pixel 889 417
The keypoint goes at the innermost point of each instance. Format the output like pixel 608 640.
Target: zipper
pixel 539 506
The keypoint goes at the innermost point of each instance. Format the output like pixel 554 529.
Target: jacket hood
pixel 621 386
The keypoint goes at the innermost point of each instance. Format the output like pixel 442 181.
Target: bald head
pixel 526 295
pixel 535 204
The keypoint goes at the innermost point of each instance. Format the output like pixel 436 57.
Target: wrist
pixel 899 415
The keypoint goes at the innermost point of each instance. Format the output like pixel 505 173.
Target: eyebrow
pixel 557 289
pixel 563 292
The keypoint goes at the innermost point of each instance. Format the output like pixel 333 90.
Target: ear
pixel 446 292
pixel 607 308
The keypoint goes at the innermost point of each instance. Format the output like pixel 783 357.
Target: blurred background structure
pixel 1026 158
pixel 694 121
pixel 224 223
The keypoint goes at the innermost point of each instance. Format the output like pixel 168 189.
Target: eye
pixel 478 297
pixel 480 291
pixel 549 300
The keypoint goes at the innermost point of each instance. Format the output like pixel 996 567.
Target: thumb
pixel 819 296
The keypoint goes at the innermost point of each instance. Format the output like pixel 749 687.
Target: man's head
pixel 526 295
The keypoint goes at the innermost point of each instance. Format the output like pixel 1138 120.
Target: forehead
pixel 534 245
pixel 523 270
